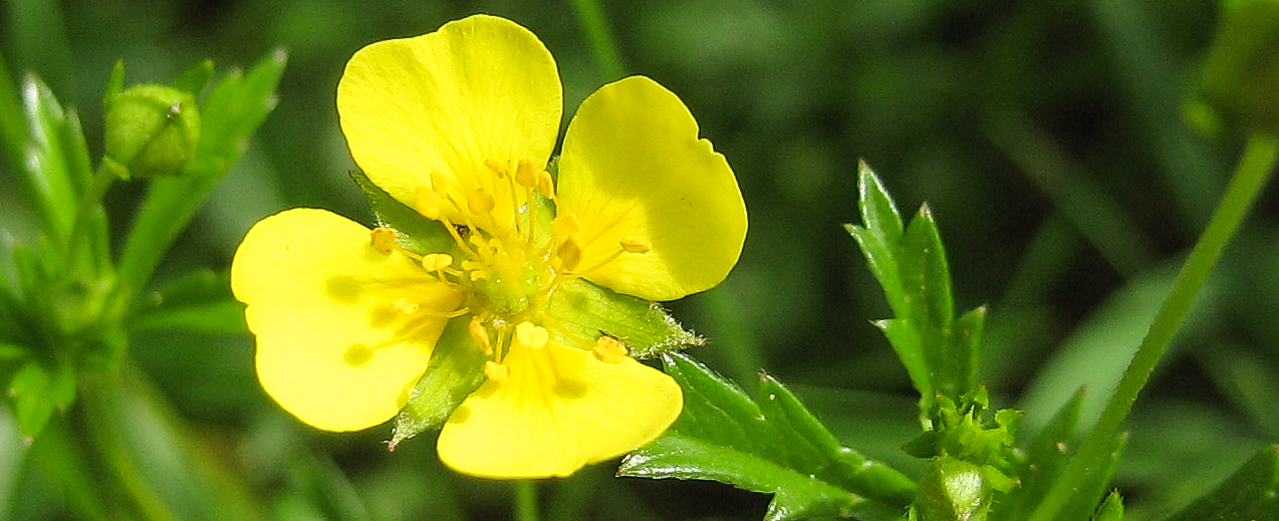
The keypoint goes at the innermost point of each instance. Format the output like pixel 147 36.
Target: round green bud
pixel 152 130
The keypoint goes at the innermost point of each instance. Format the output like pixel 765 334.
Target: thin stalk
pixel 1254 170
pixel 526 501
pixel 603 45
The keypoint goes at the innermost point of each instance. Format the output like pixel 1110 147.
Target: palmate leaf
pixel 772 445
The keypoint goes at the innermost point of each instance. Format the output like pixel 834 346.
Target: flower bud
pixel 152 130
pixel 1241 74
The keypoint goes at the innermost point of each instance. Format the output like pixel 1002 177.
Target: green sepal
pixel 967 432
pixel 1112 509
pixel 1250 494
pixel 414 232
pixel 456 370
pixel 195 79
pixel 587 311
pixel 772 445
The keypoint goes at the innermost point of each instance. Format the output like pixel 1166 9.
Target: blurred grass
pixel 1064 217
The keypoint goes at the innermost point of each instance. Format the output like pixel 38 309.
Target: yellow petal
pixel 557 410
pixel 481 88
pixel 633 169
pixel 336 343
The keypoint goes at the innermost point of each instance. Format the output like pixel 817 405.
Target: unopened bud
pixel 152 130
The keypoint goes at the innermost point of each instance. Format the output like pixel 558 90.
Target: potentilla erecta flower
pixel 460 126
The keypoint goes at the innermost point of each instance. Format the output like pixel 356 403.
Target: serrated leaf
pixel 1250 494
pixel 588 310
pixel 773 446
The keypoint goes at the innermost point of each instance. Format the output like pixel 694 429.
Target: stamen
pixel 531 336
pixel 480 202
pixel 546 185
pixel 435 262
pixel 497 168
pixel 609 350
pixel 569 254
pixel 428 203
pixel 565 226
pixel 439 183
pixel 631 245
pixel 480 335
pixel 383 240
pixel 495 371
pixel 526 173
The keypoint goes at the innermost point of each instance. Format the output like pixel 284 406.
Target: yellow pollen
pixel 497 168
pixel 569 254
pixel 406 306
pixel 531 336
pixel 496 371
pixel 436 261
pixel 546 185
pixel 383 240
pixel 480 335
pixel 526 173
pixel 480 202
pixel 609 350
pixel 428 203
pixel 636 246
pixel 565 226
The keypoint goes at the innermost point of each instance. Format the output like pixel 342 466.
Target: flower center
pixel 515 255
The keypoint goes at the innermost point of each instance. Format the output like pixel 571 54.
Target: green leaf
pixel 1046 458
pixel 50 169
pixel 772 446
pixel 938 351
pixel 235 108
pixel 36 392
pixel 197 302
pixel 1112 509
pixel 587 310
pixel 195 79
pixel 1250 494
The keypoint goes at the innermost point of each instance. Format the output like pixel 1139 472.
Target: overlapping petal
pixel 633 168
pixel 337 345
pixel 560 409
pixel 481 88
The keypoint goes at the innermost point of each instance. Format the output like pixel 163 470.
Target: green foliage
pixel 771 445
pixel 1251 494
pixel 938 350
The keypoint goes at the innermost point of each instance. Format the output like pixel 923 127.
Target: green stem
pixel 603 45
pixel 526 501
pixel 90 203
pixel 1255 168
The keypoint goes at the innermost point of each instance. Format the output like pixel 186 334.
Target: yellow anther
pixel 609 350
pixel 496 371
pixel 546 185
pixel 480 202
pixel 526 173
pixel 636 246
pixel 436 261
pixel 480 335
pixel 497 168
pixel 383 240
pixel 565 226
pixel 428 203
pixel 439 183
pixel 531 336
pixel 406 306
pixel 570 254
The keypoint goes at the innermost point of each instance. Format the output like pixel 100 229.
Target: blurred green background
pixel 1046 137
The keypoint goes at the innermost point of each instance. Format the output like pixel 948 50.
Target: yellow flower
pixel 460 125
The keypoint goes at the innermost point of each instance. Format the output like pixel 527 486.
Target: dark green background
pixel 1046 137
